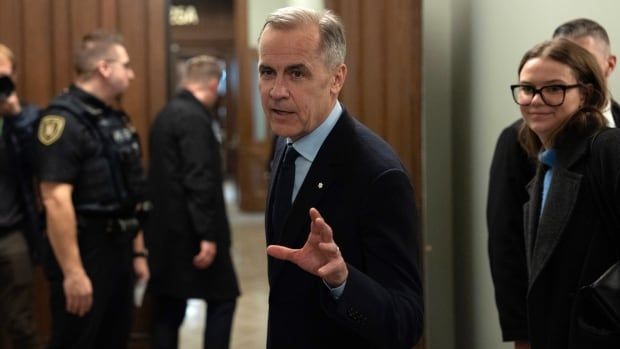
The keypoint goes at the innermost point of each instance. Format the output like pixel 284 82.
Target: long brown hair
pixel 588 118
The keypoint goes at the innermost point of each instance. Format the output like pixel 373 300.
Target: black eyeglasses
pixel 552 95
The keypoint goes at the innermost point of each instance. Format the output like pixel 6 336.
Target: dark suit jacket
pixel 572 242
pixel 185 181
pixel 360 187
pixel 511 170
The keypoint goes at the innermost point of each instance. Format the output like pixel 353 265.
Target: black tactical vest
pixel 112 181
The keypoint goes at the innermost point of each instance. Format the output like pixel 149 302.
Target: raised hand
pixel 319 256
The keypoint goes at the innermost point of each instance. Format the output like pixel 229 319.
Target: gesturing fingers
pixel 334 270
pixel 330 249
pixel 320 227
pixel 280 252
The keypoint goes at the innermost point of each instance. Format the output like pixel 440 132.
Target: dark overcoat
pixel 511 170
pixel 572 242
pixel 363 192
pixel 185 181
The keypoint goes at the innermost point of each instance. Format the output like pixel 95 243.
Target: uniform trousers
pixel 109 265
pixel 169 314
pixel 16 313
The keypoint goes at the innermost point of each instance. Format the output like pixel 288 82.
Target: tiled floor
pixel 250 324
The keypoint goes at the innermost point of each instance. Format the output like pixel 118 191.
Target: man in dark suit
pixel 511 170
pixel 188 234
pixel 341 219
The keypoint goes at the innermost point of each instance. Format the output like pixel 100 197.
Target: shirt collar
pixel 609 115
pixel 88 98
pixel 309 145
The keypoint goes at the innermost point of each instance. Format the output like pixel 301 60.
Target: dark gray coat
pixel 571 243
pixel 511 170
pixel 185 180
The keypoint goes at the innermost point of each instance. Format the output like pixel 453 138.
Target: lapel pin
pixel 320 185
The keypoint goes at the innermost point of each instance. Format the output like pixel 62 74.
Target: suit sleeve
pixel 384 302
pixel 199 171
pixel 511 170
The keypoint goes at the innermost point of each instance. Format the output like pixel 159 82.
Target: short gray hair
pixel 332 45
pixel 201 68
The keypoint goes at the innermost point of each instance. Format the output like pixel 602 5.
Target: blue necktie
pixel 283 189
pixel 547 157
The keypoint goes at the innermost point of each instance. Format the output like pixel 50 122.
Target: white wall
pixel 258 10
pixel 471 52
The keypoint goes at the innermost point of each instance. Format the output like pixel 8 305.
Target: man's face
pixel 118 71
pixel 297 89
pixel 600 51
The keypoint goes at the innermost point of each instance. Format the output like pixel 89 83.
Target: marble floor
pixel 250 323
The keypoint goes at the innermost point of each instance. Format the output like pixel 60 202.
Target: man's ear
pixel 213 84
pixel 340 75
pixel 103 68
pixel 611 63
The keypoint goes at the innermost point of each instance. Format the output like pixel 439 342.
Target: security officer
pixel 92 186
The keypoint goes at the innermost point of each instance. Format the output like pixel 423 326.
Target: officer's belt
pixel 112 226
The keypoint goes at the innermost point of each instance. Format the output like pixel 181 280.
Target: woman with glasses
pixel 569 239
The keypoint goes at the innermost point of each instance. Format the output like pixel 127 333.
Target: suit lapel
pixel 277 159
pixel 315 185
pixel 543 237
pixel 531 215
pixel 325 170
pixel 561 199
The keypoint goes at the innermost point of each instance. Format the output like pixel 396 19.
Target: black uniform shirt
pixel 64 142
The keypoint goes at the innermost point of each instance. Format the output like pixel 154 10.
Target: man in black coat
pixel 341 219
pixel 188 234
pixel 511 170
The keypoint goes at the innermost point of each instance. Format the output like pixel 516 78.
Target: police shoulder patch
pixel 50 129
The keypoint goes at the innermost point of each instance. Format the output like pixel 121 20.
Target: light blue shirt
pixel 547 157
pixel 307 147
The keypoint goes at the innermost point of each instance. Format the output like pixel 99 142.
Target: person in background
pixel 93 189
pixel 341 219
pixel 511 170
pixel 188 234
pixel 569 239
pixel 20 225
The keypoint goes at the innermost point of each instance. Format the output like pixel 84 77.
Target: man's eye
pixel 265 72
pixel 297 74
